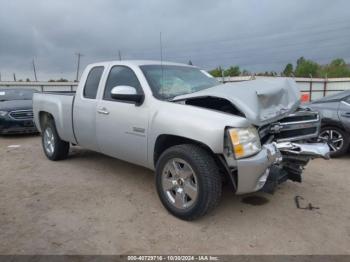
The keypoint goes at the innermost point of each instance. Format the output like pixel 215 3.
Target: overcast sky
pixel 257 35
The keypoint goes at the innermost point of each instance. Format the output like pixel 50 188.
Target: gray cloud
pixel 257 35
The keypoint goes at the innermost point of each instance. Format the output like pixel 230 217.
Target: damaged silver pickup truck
pixel 193 131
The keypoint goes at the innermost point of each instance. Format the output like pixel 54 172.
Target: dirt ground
pixel 93 204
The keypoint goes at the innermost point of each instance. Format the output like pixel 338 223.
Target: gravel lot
pixel 93 204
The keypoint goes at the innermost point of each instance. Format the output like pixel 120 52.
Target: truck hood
pixel 16 105
pixel 261 101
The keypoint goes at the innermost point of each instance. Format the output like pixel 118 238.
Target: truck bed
pixel 60 106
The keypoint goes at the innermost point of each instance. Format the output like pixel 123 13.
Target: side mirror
pixel 127 93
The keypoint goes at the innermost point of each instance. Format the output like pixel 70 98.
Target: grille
pixel 298 126
pixel 21 114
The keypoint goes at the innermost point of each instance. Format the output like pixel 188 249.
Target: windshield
pixel 16 94
pixel 168 81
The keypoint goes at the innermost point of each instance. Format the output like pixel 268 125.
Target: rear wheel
pixel 337 140
pixel 188 181
pixel 54 148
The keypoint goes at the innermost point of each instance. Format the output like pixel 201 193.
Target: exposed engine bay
pixel 285 129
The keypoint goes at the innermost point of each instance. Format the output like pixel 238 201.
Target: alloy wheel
pixel 49 141
pixel 179 183
pixel 333 138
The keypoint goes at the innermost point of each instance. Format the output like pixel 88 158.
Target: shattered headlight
pixel 3 113
pixel 245 141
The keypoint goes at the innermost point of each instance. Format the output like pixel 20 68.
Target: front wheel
pixel 54 148
pixel 337 140
pixel 188 181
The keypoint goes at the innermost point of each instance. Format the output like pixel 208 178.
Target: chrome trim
pixel 313 150
pixel 21 119
pixel 296 138
pixel 345 103
pixel 283 127
pixel 301 122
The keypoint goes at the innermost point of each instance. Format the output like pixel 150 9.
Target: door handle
pixel 103 111
pixel 347 114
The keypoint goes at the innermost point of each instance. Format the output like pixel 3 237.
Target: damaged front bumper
pixel 275 163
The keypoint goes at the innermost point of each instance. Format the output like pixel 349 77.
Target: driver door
pixel 121 125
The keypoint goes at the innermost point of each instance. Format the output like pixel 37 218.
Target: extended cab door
pixel 122 126
pixel 344 112
pixel 84 108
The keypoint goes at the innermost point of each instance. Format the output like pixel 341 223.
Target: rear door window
pixel 92 82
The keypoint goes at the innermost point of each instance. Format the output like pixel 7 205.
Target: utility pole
pixel 14 77
pixel 78 65
pixel 120 55
pixel 34 69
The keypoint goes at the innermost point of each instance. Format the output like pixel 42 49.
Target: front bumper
pixel 253 172
pixel 10 126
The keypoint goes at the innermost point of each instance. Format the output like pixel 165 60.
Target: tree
pixel 305 68
pixel 300 60
pixel 217 72
pixel 232 71
pixel 246 73
pixel 62 80
pixel 337 68
pixel 288 70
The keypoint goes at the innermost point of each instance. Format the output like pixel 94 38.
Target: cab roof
pixel 140 63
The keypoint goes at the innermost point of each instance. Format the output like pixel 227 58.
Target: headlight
pixel 3 113
pixel 245 141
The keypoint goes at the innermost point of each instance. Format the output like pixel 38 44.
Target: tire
pixel 331 134
pixel 176 164
pixel 54 148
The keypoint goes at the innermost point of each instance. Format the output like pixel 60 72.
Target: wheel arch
pixel 44 117
pixel 332 123
pixel 165 141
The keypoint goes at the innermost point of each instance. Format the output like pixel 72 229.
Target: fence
pixel 314 88
pixel 41 86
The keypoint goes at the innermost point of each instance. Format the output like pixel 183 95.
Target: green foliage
pixel 300 60
pixel 232 71
pixel 217 72
pixel 58 80
pixel 304 68
pixel 246 73
pixel 307 68
pixel 288 70
pixel 337 68
pixel 62 80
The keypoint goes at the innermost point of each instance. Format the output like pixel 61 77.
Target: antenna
pixel 34 69
pixel 78 65
pixel 161 56
pixel 161 47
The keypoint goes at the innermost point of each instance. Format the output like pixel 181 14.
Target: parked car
pixel 335 124
pixel 16 111
pixel 182 123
